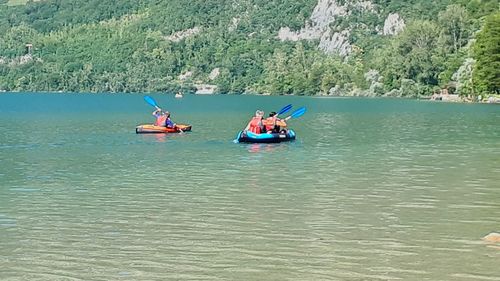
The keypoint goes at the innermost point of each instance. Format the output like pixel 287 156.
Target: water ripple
pixel 371 190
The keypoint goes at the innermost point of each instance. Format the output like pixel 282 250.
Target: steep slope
pixel 339 47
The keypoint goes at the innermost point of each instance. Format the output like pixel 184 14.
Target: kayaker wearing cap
pixel 256 125
pixel 163 118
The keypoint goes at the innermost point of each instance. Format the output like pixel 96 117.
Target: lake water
pixel 373 189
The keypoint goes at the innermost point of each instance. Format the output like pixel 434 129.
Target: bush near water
pixel 149 46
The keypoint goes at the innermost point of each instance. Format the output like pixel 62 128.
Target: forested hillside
pixel 303 47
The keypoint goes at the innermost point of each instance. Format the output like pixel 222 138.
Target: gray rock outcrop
pixel 393 24
pixel 319 25
pixel 179 35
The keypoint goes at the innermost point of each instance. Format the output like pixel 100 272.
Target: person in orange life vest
pixel 163 118
pixel 270 123
pixel 256 125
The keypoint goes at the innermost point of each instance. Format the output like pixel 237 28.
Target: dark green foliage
pixel 102 46
pixel 51 15
pixel 487 54
pixel 418 46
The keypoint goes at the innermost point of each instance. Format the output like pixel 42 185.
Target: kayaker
pixel 163 118
pixel 256 124
pixel 270 123
pixel 169 123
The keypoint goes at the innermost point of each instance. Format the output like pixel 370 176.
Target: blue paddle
pixel 151 101
pixel 297 113
pixel 284 109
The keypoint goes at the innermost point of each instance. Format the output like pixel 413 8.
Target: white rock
pixel 337 42
pixel 214 74
pixel 179 35
pixel 325 11
pixel 186 75
pixel 323 14
pixel 234 24
pixel 492 237
pixel 365 5
pixel 205 89
pixel 21 60
pixel 318 26
pixel 393 24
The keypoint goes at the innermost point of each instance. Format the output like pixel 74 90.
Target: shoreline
pixel 489 99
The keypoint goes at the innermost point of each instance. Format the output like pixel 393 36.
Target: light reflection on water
pixel 371 190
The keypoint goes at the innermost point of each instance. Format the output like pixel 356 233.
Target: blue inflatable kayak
pixel 247 136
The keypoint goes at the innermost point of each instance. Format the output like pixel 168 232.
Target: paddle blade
pixel 285 109
pixel 151 101
pixel 299 112
pixel 237 140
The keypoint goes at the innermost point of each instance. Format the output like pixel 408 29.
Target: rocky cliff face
pixel 324 13
pixel 393 24
pixel 323 25
pixel 180 35
pixel 318 27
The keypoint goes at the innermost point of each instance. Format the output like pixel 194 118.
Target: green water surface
pixel 373 189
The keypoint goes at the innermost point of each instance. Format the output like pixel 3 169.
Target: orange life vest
pixel 160 120
pixel 255 125
pixel 270 122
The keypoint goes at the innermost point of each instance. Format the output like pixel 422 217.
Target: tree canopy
pixel 145 46
pixel 487 54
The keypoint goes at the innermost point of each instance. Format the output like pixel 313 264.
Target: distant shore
pixel 464 99
pixel 490 99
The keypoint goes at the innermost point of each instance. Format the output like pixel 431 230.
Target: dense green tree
pixel 99 46
pixel 486 74
pixel 275 73
pixel 455 27
pixel 414 54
